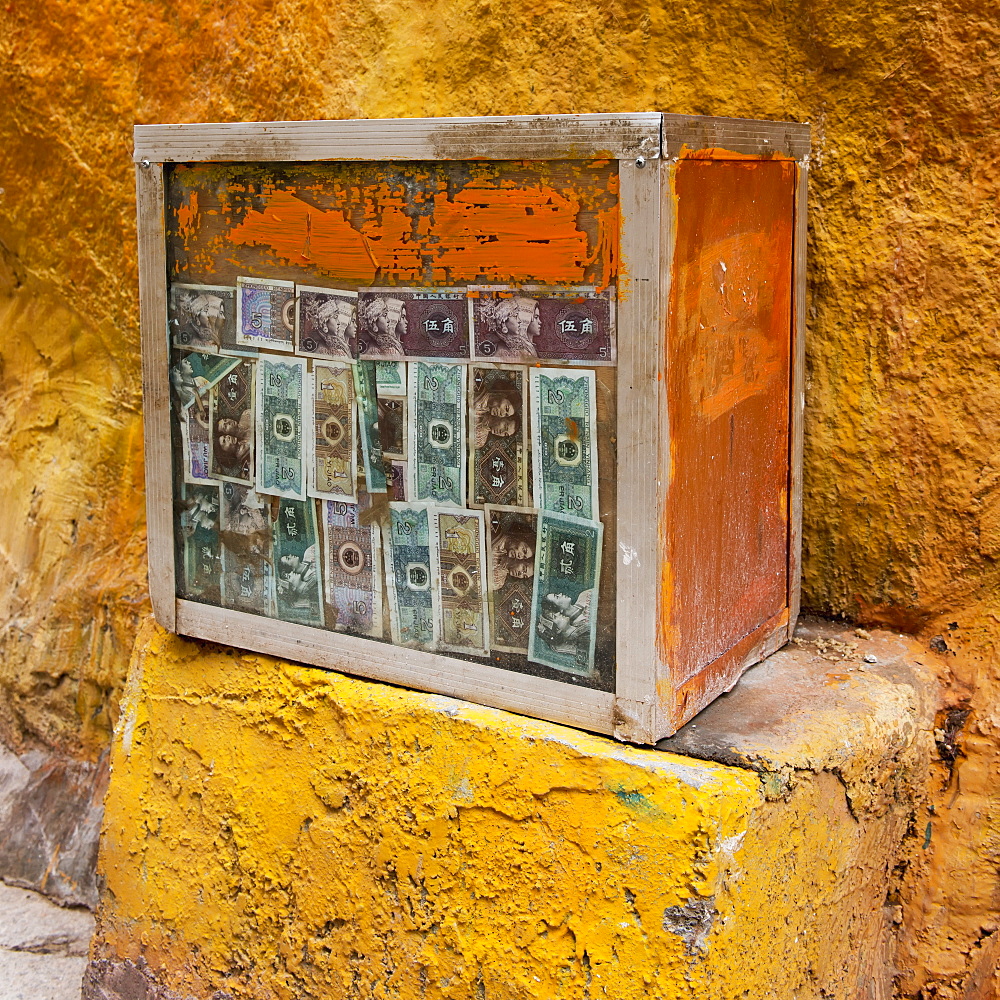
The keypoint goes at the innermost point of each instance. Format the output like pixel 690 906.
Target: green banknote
pixel 197 514
pixel 511 535
pixel 564 452
pixel 458 562
pixel 564 600
pixel 390 378
pixel 230 452
pixel 371 444
pixel 297 574
pixel 193 375
pixel 353 568
pixel 245 533
pixel 333 466
pixel 408 575
pixel 436 451
pixel 279 439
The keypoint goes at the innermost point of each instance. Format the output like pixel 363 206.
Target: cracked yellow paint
pixel 272 831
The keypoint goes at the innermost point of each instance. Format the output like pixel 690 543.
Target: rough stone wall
pixel 902 500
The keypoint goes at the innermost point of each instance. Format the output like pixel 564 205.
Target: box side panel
pixel 725 523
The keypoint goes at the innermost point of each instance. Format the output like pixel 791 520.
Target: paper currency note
pixel 371 442
pixel 392 426
pixel 279 439
pixel 564 452
pixel 390 378
pixel 394 323
pixel 195 443
pixel 230 454
pixel 325 323
pixel 458 562
pixel 353 570
pixel 436 448
pixel 298 580
pixel 197 526
pixel 564 599
pixel 265 313
pixel 202 317
pixel 333 466
pixel 193 375
pixel 575 326
pixel 247 571
pixel 498 436
pixel 408 575
pixel 397 477
pixel 511 537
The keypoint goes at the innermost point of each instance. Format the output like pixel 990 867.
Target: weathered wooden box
pixel 507 409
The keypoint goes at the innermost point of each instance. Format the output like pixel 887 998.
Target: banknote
pixel 458 563
pixel 390 378
pixel 511 534
pixel 197 517
pixel 436 447
pixel 195 443
pixel 395 323
pixel 230 453
pixel 371 443
pixel 564 452
pixel 564 598
pixel 265 313
pixel 325 325
pixel 202 317
pixel 278 415
pixel 498 436
pixel 408 576
pixel 568 325
pixel 397 477
pixel 353 581
pixel 392 426
pixel 298 577
pixel 333 463
pixel 192 376
pixel 245 533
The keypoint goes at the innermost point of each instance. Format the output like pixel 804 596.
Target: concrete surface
pixel 277 831
pixel 43 947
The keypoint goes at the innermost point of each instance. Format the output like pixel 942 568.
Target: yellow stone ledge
pixel 275 831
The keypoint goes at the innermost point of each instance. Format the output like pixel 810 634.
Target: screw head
pixel 640 161
pixel 145 164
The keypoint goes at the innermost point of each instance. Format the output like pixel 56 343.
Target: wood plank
pixel 499 138
pixel 738 135
pixel 725 523
pixel 414 668
pixel 156 390
pixel 639 367
pixel 797 395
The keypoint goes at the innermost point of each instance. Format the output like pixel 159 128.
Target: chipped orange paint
pixel 187 216
pixel 718 153
pixel 725 523
pixel 300 233
pixel 370 227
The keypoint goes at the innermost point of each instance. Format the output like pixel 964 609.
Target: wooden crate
pixel 698 225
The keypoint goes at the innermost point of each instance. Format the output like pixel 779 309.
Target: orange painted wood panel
pixel 725 525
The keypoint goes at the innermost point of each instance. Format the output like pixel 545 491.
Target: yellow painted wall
pixel 277 832
pixel 902 502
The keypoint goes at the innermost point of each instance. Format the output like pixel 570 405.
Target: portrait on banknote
pixel 413 323
pixel 326 323
pixel 574 326
pixel 202 317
